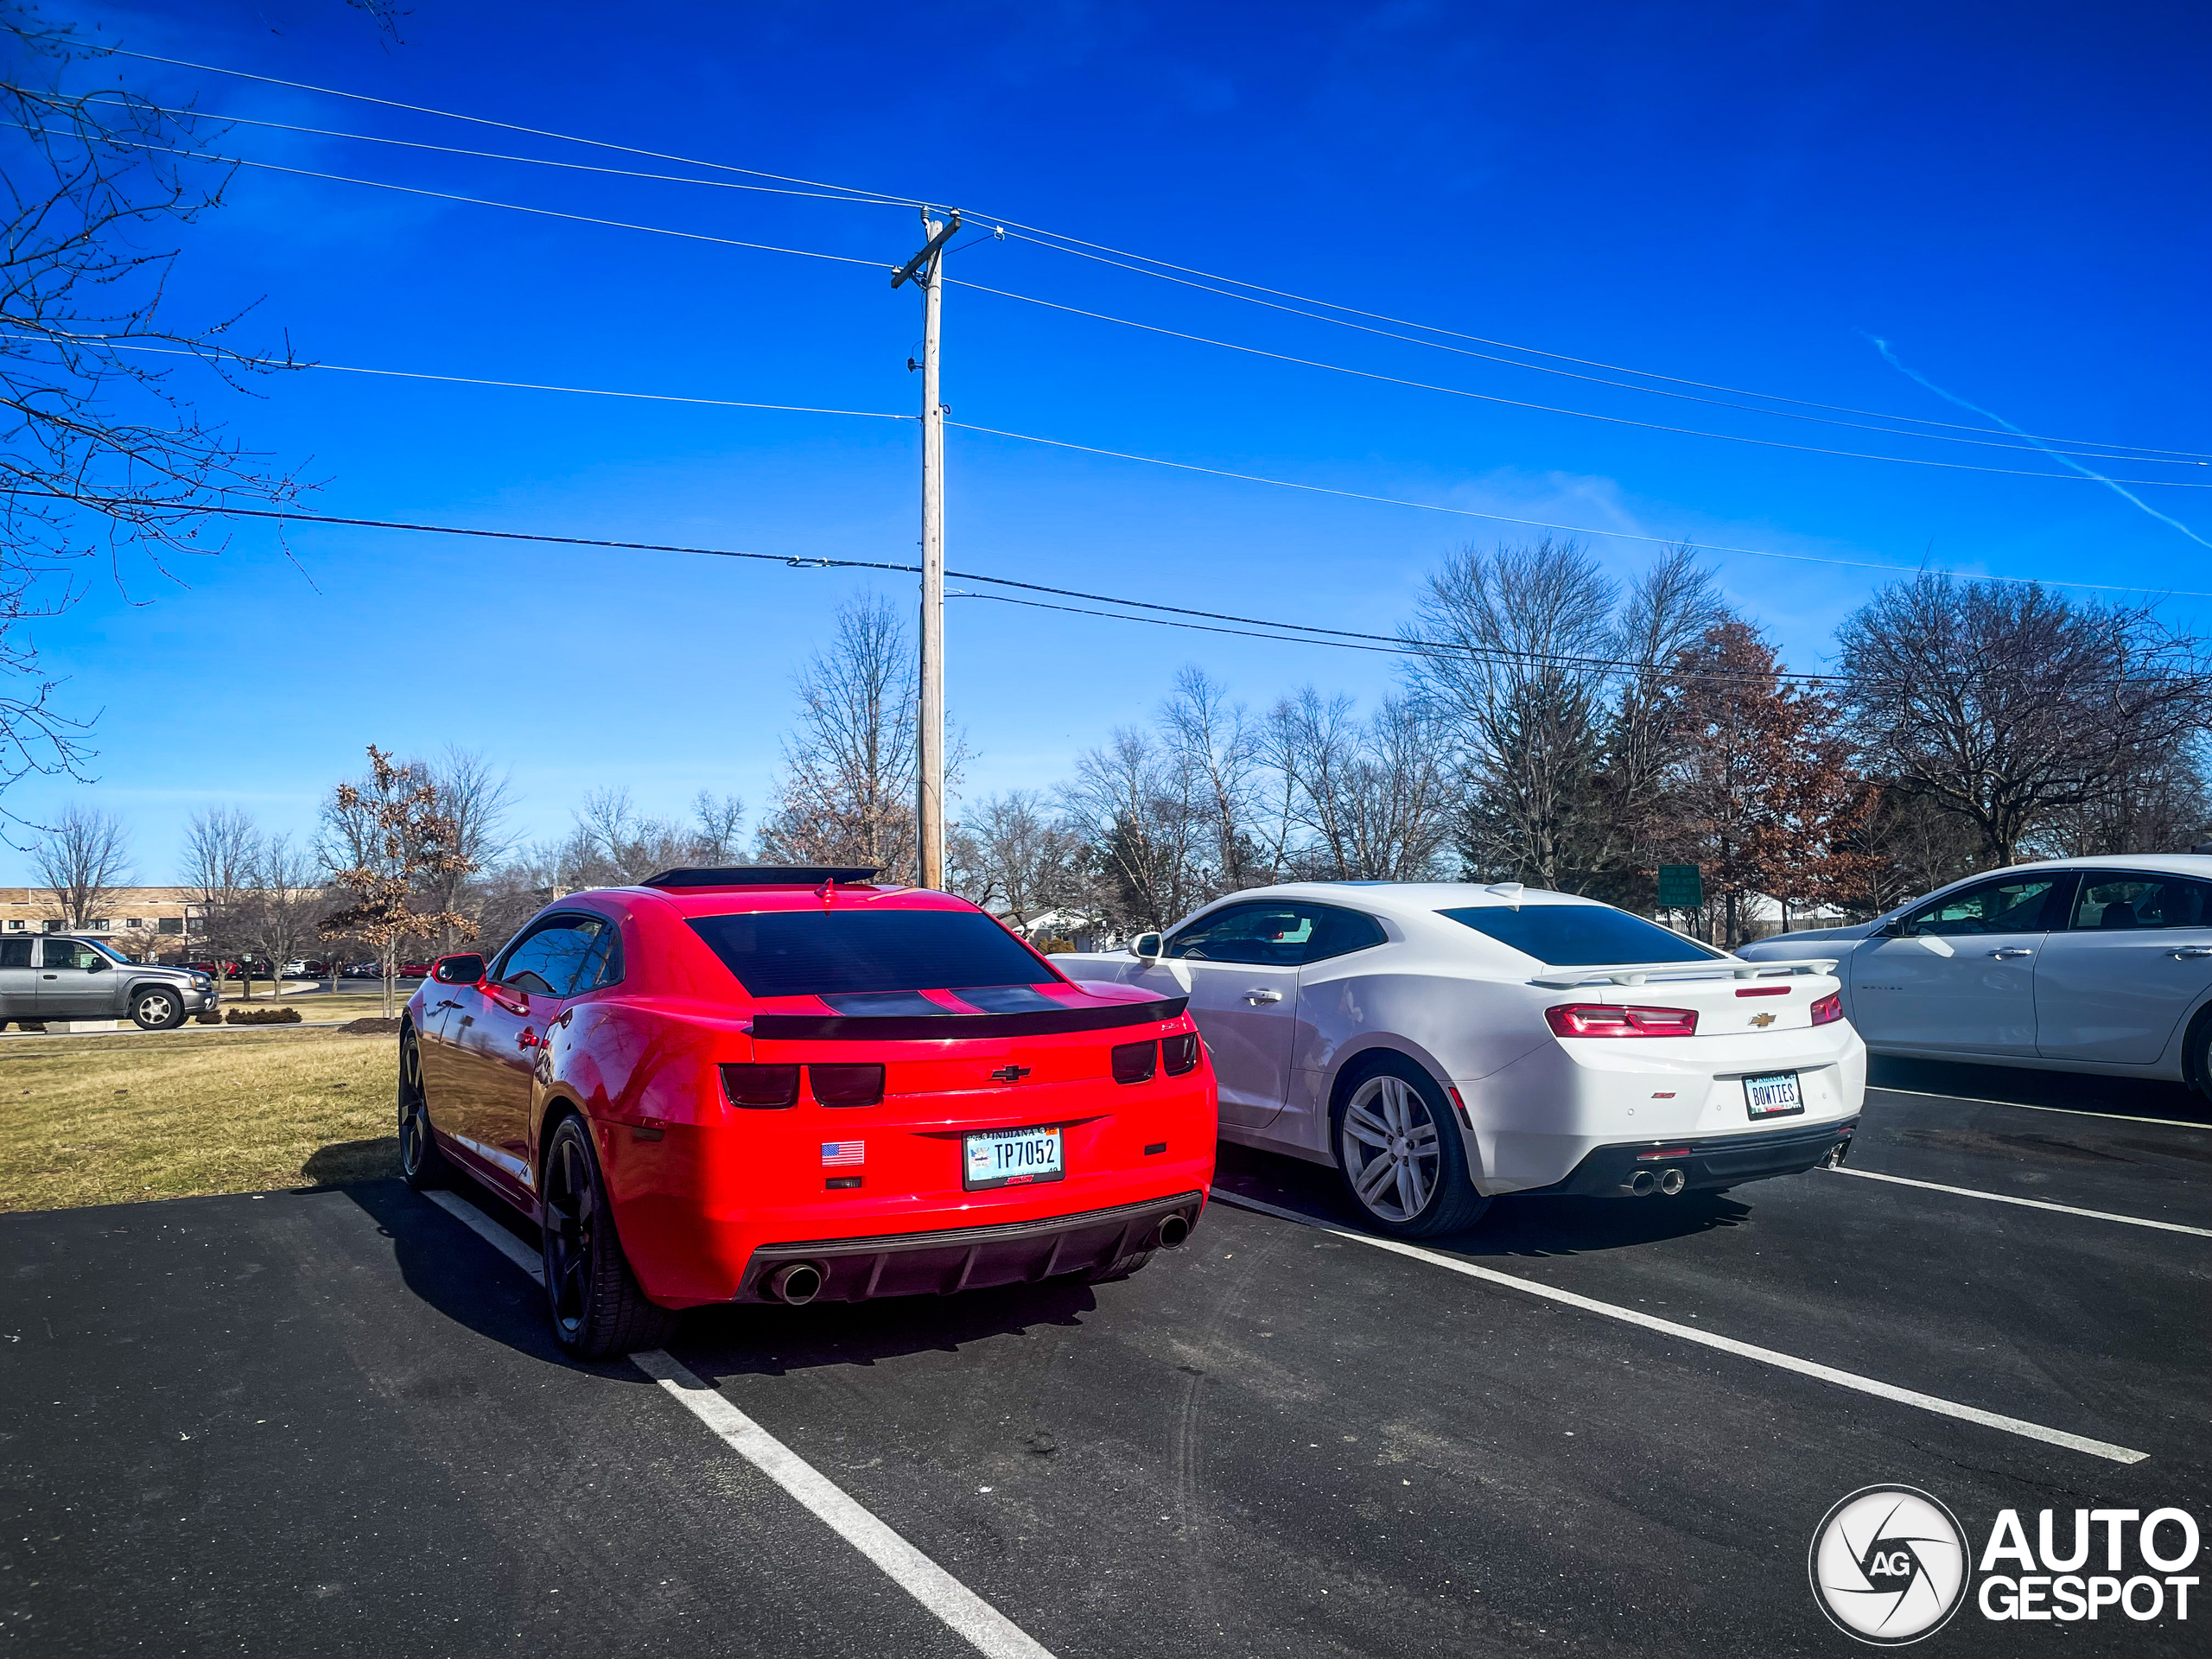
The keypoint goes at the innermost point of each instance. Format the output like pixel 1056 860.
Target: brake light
pixel 1828 1009
pixel 1611 1020
pixel 845 1085
pixel 1135 1061
pixel 760 1087
pixel 1764 991
pixel 1180 1053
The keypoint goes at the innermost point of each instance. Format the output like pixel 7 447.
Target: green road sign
pixel 1681 886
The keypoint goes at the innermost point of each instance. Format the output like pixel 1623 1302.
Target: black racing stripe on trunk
pixel 951 1028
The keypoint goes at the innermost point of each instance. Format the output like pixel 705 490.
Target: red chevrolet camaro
pixel 772 1084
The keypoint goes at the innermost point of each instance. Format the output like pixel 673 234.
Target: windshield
pixel 1580 936
pixel 842 953
pixel 108 950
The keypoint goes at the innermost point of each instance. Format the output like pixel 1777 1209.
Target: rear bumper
pixel 970 1258
pixel 1710 1162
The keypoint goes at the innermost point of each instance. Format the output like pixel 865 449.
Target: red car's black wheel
pixel 421 1164
pixel 598 1309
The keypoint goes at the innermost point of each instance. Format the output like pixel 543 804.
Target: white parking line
pixel 2104 1449
pixel 2022 1106
pixel 964 1612
pixel 2030 1203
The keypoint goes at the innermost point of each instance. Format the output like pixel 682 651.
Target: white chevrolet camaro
pixel 2076 965
pixel 1441 1043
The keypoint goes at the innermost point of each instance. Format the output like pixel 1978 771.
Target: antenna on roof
pixel 1508 891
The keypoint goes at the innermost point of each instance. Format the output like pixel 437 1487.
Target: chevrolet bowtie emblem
pixel 1010 1073
pixel 1762 1019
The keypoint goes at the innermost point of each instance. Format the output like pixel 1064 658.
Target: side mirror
pixel 1892 931
pixel 98 964
pixel 1146 948
pixel 465 969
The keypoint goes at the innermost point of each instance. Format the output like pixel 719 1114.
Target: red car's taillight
pixel 1179 1054
pixel 1610 1019
pixel 845 1085
pixel 1828 1009
pixel 1135 1061
pixel 760 1087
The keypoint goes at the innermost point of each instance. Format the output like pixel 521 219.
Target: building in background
pixel 141 922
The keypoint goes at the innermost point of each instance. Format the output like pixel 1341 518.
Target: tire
pixel 2197 1057
pixel 1120 1267
pixel 422 1166
pixel 1399 1151
pixel 157 1007
pixel 598 1309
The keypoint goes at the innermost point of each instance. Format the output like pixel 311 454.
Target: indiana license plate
pixel 1775 1094
pixel 1013 1157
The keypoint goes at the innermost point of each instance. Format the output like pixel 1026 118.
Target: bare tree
pixel 847 792
pixel 220 848
pixel 82 860
pixel 2006 704
pixel 285 902
pixel 1666 611
pixel 1216 748
pixel 1147 829
pixel 1374 795
pixel 1510 647
pixel 1011 858
pixel 613 844
pixel 101 453
pixel 479 799
pixel 403 842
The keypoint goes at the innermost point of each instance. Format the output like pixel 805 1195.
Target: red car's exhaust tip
pixel 1174 1232
pixel 796 1283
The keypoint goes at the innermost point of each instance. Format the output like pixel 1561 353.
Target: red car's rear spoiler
pixel 951 1028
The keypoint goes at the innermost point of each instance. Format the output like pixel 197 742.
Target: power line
pixel 1184 616
pixel 2099 453
pixel 1551 408
pixel 481 201
pixel 1184 466
pixel 510 126
pixel 54 103
pixel 1084 249
pixel 1621 385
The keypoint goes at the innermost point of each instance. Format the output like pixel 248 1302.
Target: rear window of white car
pixel 818 953
pixel 1579 935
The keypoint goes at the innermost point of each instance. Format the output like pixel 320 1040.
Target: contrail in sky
pixel 1890 357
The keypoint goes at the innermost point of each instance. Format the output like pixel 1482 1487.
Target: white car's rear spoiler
pixel 1636 973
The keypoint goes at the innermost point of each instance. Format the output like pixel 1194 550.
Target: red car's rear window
pixel 845 953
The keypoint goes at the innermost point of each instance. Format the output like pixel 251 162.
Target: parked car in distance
pixel 61 976
pixel 364 971
pixel 414 970
pixel 2072 964
pixel 1441 1043
pixel 774 1084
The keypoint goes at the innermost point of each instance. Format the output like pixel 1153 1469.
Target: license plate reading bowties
pixel 1773 1094
pixel 1013 1157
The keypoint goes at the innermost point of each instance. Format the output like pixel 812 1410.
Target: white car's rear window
pixel 1579 935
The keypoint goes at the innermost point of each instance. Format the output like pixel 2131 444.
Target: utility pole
pixel 927 269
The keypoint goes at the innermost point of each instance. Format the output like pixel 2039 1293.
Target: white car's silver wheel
pixel 1390 1148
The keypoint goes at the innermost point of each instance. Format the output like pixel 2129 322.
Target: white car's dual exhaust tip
pixel 1665 1182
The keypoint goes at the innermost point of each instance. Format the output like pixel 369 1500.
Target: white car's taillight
pixel 1611 1020
pixel 1828 1009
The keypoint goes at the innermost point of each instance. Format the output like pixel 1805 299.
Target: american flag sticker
pixel 843 1155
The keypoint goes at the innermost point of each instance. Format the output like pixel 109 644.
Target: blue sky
pixel 2011 195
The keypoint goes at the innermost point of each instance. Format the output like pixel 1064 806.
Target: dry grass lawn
pixel 115 1120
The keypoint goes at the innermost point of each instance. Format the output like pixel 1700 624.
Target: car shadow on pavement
pixel 463 1277
pixel 767 1339
pixel 2066 1091
pixel 1547 1226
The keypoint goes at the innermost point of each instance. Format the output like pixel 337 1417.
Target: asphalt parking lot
pixel 332 1421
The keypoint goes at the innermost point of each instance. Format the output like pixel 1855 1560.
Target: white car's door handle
pixel 1259 994
pixel 2191 953
pixel 2007 952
